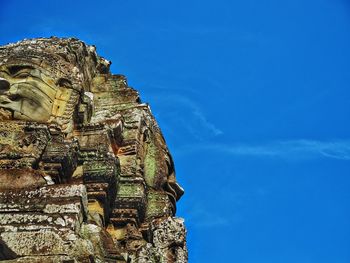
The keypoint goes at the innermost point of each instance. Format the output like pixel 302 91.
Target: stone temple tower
pixel 85 173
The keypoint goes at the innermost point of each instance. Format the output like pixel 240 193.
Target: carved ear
pixel 65 95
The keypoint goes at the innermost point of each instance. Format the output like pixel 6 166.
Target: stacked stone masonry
pixel 85 173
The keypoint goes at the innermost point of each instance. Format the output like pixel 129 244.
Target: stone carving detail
pixel 85 173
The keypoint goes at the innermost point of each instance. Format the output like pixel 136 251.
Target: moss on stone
pixel 150 164
pixel 130 190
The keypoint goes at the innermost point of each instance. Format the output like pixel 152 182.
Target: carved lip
pixel 6 99
pixel 14 97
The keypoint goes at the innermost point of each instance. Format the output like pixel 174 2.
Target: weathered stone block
pixel 85 174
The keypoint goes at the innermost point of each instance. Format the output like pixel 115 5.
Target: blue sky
pixel 253 99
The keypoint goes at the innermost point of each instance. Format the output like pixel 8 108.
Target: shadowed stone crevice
pixel 5 252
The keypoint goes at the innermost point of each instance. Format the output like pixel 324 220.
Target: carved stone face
pixel 27 92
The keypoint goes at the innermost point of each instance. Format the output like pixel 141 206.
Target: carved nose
pixel 4 85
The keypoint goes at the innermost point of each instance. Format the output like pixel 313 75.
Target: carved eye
pixel 22 74
pixel 20 71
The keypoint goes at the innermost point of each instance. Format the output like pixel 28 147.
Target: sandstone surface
pixel 85 173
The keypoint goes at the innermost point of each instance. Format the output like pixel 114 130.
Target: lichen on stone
pixel 85 173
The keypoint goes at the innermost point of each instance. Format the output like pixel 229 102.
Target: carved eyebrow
pixel 14 69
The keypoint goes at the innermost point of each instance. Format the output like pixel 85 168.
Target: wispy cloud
pixel 205 213
pixel 201 217
pixel 293 149
pixel 187 112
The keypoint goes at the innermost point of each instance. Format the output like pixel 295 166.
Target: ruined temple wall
pixel 87 177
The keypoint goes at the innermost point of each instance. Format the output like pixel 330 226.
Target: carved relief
pixel 83 164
